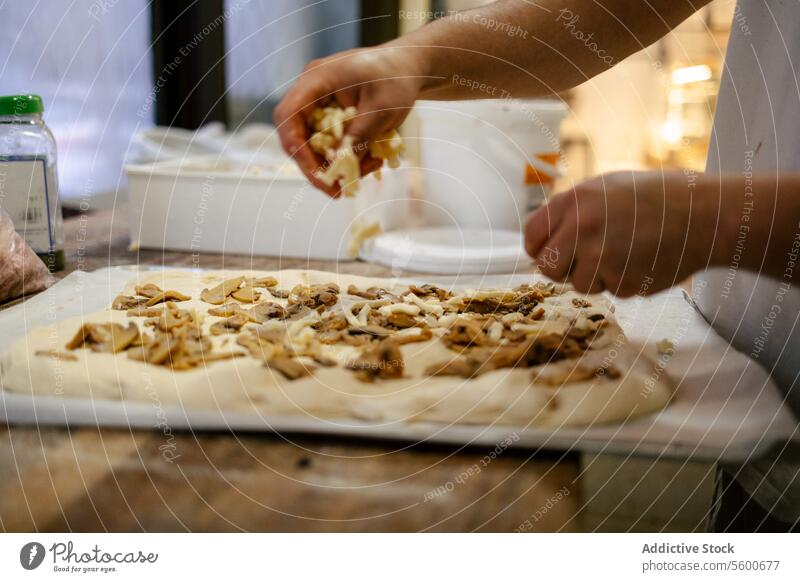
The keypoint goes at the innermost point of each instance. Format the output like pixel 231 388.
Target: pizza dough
pixel 608 382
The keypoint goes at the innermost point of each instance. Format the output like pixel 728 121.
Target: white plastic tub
pixel 488 162
pixel 208 204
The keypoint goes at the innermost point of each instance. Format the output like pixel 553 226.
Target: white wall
pixel 89 61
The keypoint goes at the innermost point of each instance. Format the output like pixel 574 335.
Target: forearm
pixel 759 223
pixel 517 48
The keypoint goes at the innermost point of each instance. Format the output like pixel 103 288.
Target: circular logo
pixel 31 555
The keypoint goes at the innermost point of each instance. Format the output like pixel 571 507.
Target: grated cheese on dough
pixel 426 306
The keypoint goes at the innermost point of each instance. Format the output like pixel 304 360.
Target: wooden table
pixel 90 479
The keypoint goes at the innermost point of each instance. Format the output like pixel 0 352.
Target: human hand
pixel 627 232
pixel 382 83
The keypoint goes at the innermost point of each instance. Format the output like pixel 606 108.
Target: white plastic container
pixel 487 163
pixel 209 204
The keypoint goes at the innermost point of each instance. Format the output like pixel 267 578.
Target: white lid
pixel 448 250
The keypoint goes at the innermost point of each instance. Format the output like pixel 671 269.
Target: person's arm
pixel 635 233
pixel 511 48
pixel 532 49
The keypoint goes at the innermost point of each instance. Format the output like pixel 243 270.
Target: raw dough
pixel 503 396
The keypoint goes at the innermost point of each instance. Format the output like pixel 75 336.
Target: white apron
pixel 757 129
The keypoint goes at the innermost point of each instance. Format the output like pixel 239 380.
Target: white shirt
pixel 757 129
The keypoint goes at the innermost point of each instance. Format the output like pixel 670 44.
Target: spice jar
pixel 28 177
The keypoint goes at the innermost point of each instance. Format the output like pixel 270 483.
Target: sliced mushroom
pixel 297 311
pixel 143 311
pixel 266 310
pixel 372 293
pixel 120 338
pixel 157 351
pixel 533 352
pixel 576 373
pixel 523 299
pixel 430 291
pixel 81 336
pixel 289 367
pixel 229 325
pixel 217 295
pixel 182 349
pixel 170 318
pixel 149 290
pixel 461 367
pixel 384 360
pixel 262 343
pixel 264 282
pixel 166 296
pixel 544 289
pixel 329 329
pixel 246 294
pixel 105 337
pixel 314 296
pixel 401 320
pixel 125 302
pixel 56 355
pixel 226 310
pixel 466 332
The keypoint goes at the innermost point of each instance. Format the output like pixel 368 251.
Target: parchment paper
pixel 726 407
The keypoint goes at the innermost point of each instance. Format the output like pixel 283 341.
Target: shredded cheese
pixel 447 320
pixel 348 308
pixel 300 335
pixel 540 327
pixel 426 306
pixel 363 315
pixel 388 147
pixel 330 141
pixel 496 331
pixel 406 308
pixel 360 232
pixel 343 168
pixel 512 317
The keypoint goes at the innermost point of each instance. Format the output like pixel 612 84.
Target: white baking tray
pixel 726 407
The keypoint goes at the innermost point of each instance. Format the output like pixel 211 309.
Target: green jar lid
pixel 21 104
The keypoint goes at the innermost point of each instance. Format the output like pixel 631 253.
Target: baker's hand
pixel 382 83
pixel 627 232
